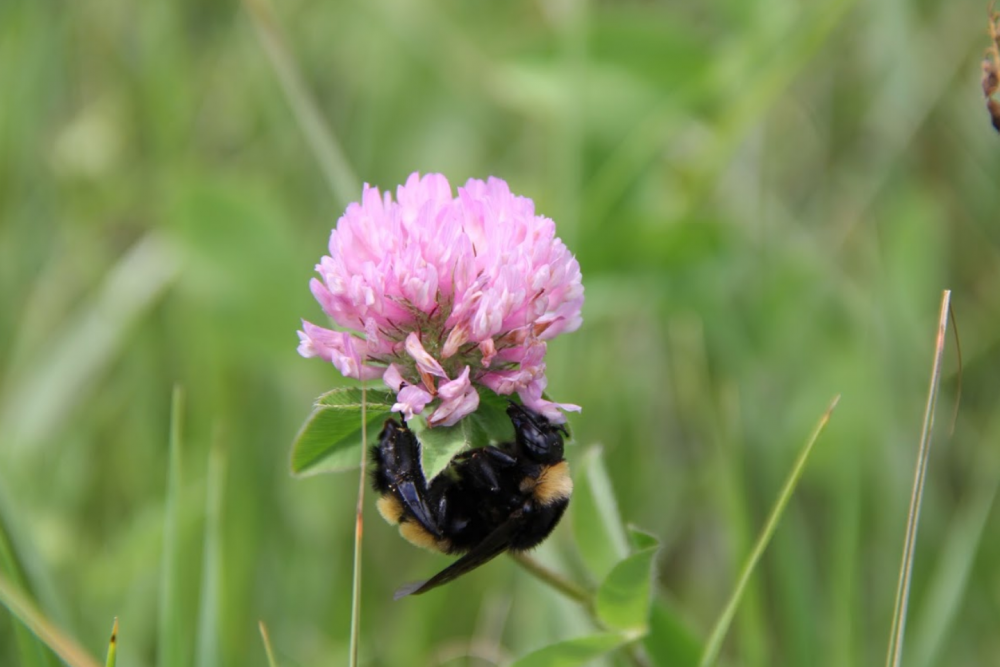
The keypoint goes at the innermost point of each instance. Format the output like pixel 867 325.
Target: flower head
pixel 438 294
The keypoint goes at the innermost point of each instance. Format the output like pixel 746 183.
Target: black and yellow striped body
pixel 488 500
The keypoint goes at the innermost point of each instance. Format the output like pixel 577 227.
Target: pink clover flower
pixel 439 294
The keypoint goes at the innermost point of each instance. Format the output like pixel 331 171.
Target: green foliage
pixel 622 601
pixel 50 638
pixel 172 637
pixel 330 438
pixel 597 526
pixel 713 644
pixel 765 198
pixel 669 641
pixel 487 425
pixel 574 652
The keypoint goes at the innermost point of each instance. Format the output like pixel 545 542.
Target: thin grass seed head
pixel 440 294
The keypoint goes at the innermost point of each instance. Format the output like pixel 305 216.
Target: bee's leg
pixel 451 522
pixel 398 472
pixel 483 467
pixel 474 496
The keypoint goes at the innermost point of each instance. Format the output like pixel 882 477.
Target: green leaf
pixel 439 445
pixel 491 418
pixel 596 524
pixel 573 652
pixel 172 640
pixel 330 439
pixel 622 601
pixel 669 642
pixel 641 539
pixel 489 424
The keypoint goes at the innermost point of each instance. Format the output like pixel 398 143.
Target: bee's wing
pixel 492 546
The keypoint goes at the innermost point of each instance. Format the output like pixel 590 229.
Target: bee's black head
pixel 536 437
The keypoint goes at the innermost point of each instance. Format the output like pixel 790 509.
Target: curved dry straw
pixel 895 654
pixel 25 611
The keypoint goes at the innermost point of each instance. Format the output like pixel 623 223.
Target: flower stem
pixel 358 525
pixel 573 591
pixel 570 589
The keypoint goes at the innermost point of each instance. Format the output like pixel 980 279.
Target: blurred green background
pixel 766 199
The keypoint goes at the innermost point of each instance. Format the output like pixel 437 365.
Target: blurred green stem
pixel 22 609
pixel 338 172
pixel 573 591
pixel 714 644
pixel 170 650
pixel 266 638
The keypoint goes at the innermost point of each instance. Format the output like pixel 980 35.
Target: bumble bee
pixel 488 499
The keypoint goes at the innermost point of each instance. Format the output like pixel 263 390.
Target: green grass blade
pixel 358 532
pixel 21 607
pixel 85 345
pixel 714 644
pixel 895 654
pixel 846 537
pixel 948 584
pixel 32 652
pixel 339 175
pixel 112 658
pixel 170 644
pixel 207 643
pixel 796 51
pixel 36 399
pixel 729 473
pixel 266 638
